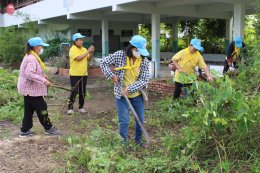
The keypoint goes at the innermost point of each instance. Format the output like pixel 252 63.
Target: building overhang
pixel 138 11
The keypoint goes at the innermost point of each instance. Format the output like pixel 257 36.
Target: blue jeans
pixel 185 92
pixel 124 116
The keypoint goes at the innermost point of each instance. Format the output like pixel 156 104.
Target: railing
pixel 17 4
pixel 26 3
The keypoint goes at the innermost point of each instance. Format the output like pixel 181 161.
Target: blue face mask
pixel 41 51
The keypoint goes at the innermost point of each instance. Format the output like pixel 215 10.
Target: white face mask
pixel 41 51
pixel 136 54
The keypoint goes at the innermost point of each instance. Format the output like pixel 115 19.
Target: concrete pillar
pixel 175 36
pixel 229 31
pixel 105 46
pixel 239 18
pixel 156 43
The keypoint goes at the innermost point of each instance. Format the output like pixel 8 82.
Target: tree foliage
pixel 210 31
pixel 13 41
pixel 54 40
pixel 12 44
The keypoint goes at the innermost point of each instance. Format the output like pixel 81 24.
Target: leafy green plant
pixel 99 158
pixel 12 43
pixel 11 102
pixel 54 40
pixel 13 40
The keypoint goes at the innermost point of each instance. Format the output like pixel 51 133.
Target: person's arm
pixel 175 60
pixel 106 62
pixel 91 50
pixel 30 72
pixel 82 56
pixel 203 66
pixel 177 66
pixel 209 76
pixel 75 55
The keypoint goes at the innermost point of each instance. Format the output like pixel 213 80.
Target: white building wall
pixel 95 26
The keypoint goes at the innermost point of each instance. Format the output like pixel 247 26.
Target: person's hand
pixel 231 68
pixel 115 79
pixel 91 49
pixel 46 77
pixel 210 78
pixel 180 70
pixel 124 91
pixel 47 83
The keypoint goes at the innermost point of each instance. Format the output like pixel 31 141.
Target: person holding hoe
pixel 79 58
pixel 185 62
pixel 32 84
pixel 131 75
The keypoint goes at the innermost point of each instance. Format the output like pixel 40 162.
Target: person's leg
pixel 138 104
pixel 73 81
pixel 40 107
pixel 82 91
pixel 187 88
pixel 28 115
pixel 186 92
pixel 177 90
pixel 123 117
pixel 226 67
pixel 235 65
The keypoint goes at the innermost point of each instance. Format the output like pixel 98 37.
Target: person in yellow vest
pixel 131 75
pixel 185 61
pixel 79 58
pixel 234 54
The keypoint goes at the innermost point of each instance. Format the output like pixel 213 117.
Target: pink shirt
pixel 31 79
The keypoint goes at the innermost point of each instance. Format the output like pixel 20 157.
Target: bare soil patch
pixel 42 153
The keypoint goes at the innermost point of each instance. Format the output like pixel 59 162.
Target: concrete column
pixel 229 31
pixel 105 46
pixel 175 36
pixel 239 18
pixel 156 43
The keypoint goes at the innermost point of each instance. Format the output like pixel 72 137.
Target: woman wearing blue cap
pixel 234 53
pixel 32 84
pixel 132 74
pixel 185 61
pixel 79 58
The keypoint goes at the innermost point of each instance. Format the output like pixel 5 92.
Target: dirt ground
pixel 42 153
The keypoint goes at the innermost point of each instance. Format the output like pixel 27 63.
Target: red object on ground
pixel 10 9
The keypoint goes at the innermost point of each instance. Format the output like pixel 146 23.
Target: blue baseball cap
pixel 140 43
pixel 77 36
pixel 196 43
pixel 238 42
pixel 36 41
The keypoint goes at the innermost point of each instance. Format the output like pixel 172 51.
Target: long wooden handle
pixel 60 87
pixel 146 135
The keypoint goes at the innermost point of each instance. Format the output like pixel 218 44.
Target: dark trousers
pixel 226 66
pixel 178 89
pixel 39 105
pixel 78 85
